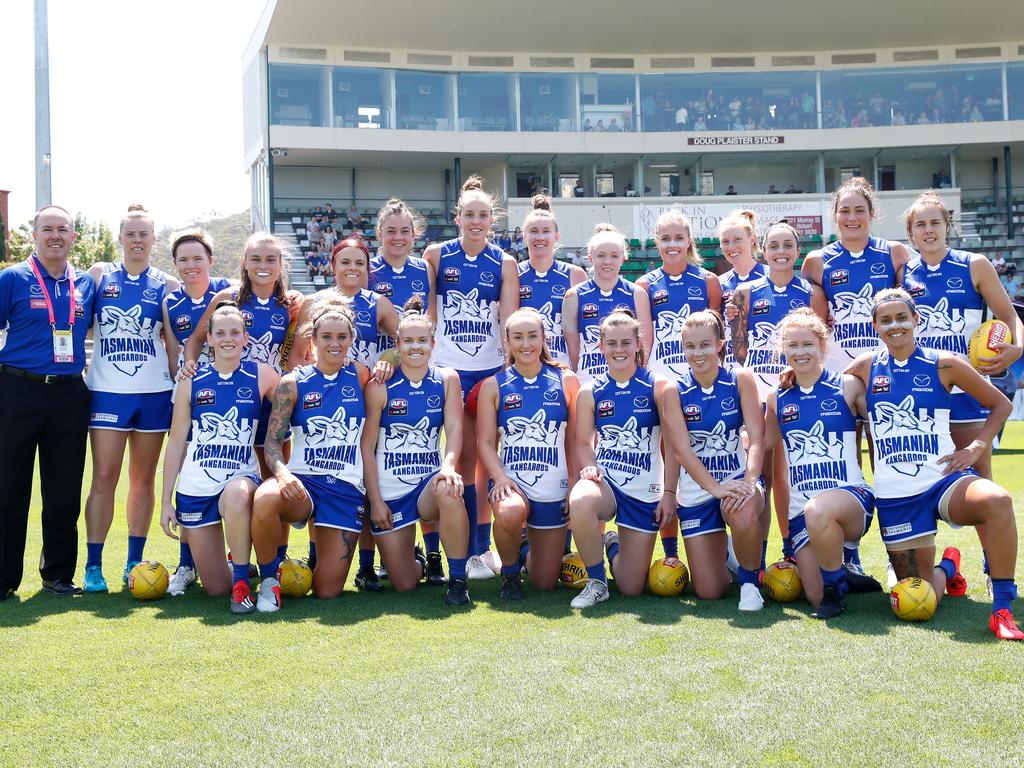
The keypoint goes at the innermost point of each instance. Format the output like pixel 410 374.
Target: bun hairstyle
pixel 624 318
pixel 746 220
pixel 333 308
pixel 541 210
pixel 862 187
pixel 603 231
pixel 807 319
pixel 541 202
pixel 136 212
pixel 398 207
pixel 676 216
pixel 415 311
pixel 530 314
pixel 707 318
pixel 281 286
pixel 354 240
pixel 924 200
pixel 192 236
pixel 892 294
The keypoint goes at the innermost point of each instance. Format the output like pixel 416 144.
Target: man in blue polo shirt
pixel 46 310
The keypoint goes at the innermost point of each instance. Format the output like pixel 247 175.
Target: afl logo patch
pixel 452 274
pixel 659 297
pixel 398 407
pixel 525 292
pixel 726 296
pixel 111 291
pixel 512 401
pixel 839 277
pixel 183 323
pixel 206 397
pixel 761 307
pixel 880 384
pixel 914 289
pixel 589 311
pixel 790 413
pixel 605 409
pixel 247 317
pixel 312 400
pixel 384 289
pixel 692 413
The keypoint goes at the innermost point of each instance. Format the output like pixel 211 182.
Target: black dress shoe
pixel 832 604
pixel 859 582
pixel 62 587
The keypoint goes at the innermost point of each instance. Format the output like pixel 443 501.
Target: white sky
pixel 145 106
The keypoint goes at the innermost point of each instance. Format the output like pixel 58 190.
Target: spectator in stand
pixel 313 230
pixel 898 117
pixel 614 127
pixel 791 190
pixel 518 248
pixel 579 190
pixel 600 127
pixel 587 126
pixel 504 242
pixel 316 212
pixel 355 218
pixel 1011 282
pixel 999 262
pixel 329 213
pixel 329 238
pixel 731 190
pixel 772 190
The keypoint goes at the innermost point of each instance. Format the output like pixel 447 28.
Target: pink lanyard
pixel 69 276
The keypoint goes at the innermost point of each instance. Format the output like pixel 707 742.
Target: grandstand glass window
pixel 299 95
pixel 1015 89
pixel 423 101
pixel 547 102
pixel 487 101
pixel 607 103
pixel 361 97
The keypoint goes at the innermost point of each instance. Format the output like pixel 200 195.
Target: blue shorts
pixel 404 509
pixel 798 525
pixel 547 514
pixel 125 412
pixel 335 503
pixel 700 519
pixel 633 514
pixel 909 517
pixel 201 511
pixel 964 409
pixel 469 379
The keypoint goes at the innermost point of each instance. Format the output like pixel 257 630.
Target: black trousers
pixel 53 418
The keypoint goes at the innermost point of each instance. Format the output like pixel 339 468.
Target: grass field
pixel 393 679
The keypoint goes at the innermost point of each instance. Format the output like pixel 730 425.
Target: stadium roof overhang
pixel 640 26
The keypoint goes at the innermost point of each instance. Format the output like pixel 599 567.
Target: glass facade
pixel 350 97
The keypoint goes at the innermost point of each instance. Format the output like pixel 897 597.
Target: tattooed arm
pixel 277 430
pixel 740 299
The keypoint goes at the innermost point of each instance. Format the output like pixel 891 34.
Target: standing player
pixel 738 242
pixel 830 502
pixel 477 286
pixel 720 482
pixel 131 385
pixel 323 405
pixel 920 475
pixel 407 478
pixel 619 412
pixel 543 280
pixel 211 459
pixel 589 303
pixel 525 412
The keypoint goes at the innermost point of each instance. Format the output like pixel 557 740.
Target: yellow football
pixel 667 577
pixel 782 582
pixel 296 578
pixel 574 573
pixel 913 599
pixel 980 349
pixel 148 580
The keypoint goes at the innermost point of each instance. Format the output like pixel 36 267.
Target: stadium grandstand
pixel 623 109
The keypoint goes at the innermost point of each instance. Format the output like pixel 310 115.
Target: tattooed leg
pixel 335 549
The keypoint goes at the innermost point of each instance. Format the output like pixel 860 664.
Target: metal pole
pixel 1009 192
pixel 265 59
pixel 43 188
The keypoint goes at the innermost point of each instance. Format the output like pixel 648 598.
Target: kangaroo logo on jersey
pixel 529 447
pixel 411 451
pixel 718 450
pixel 126 339
pixel 332 442
pixel 261 349
pixel 222 444
pixel 853 329
pixel 941 329
pixel 763 357
pixel 468 319
pixel 624 452
pixel 904 437
pixel 668 340
pixel 812 443
pixel 552 320
pixel 591 359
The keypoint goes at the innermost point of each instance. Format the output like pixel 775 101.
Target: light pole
pixel 43 190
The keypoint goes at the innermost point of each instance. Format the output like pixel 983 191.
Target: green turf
pixel 398 679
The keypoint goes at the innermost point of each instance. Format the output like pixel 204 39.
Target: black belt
pixel 46 378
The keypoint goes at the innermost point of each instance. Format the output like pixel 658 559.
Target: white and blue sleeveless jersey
pixel 184 313
pixel 850 283
pixel 730 281
pixel 128 352
pixel 266 321
pixel 225 410
pixel 714 419
pixel 593 306
pixel 673 299
pixel 950 306
pixel 819 432
pixel 768 305
pixel 545 291
pixel 909 412
pixel 409 441
pixel 399 284
pixel 629 435
pixel 532 417
pixel 327 422
pixel 468 290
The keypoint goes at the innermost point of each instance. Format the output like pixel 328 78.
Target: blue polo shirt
pixel 23 315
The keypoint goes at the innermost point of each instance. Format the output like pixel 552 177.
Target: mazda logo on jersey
pixel 398 407
pixel 880 384
pixel 605 409
pixel 878 269
pixel 558 290
pixel 487 278
pixel 512 401
pixel 312 400
pixel 839 277
pixel 35 290
pixel 452 274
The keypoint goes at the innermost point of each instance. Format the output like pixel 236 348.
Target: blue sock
pixel 240 572
pixel 312 553
pixel 524 548
pixel 469 496
pixel 1004 592
pixel 432 541
pixel 457 568
pixel 984 562
pixel 764 555
pixel 269 570
pixel 851 555
pixel 836 578
pixel 671 546
pixel 135 546
pixel 483 538
pixel 184 555
pixel 366 558
pixel 94 554
pixel 612 552
pixel 568 542
pixel 597 571
pixel 282 552
pixel 787 548
pixel 747 577
pixel 948 567
pixel 511 570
